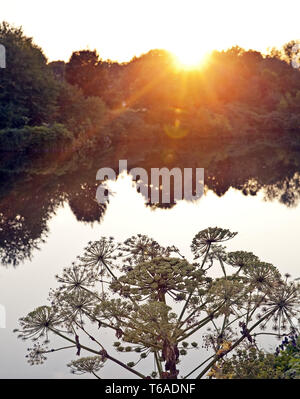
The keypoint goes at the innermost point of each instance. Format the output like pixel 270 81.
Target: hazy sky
pixel 119 29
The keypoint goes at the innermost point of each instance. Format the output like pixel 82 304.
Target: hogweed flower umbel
pixel 203 240
pixel 152 301
pixel 85 365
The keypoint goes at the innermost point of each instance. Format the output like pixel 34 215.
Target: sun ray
pixel 188 57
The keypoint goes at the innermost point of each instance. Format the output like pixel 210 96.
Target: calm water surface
pixel 267 222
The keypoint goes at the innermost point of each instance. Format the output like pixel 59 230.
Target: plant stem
pixel 195 369
pixel 158 363
pixel 97 376
pixel 97 353
pixel 217 357
pixel 189 297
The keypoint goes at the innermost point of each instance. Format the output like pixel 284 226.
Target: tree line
pixel 92 101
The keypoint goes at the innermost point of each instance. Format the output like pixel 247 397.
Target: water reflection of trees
pixel 84 205
pixel 30 203
pixel 30 197
pixel 286 191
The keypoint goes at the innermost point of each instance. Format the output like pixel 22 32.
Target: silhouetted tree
pixel 82 71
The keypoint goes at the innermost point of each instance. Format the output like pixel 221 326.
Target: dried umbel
pixel 228 294
pixel 38 323
pixel 36 354
pixel 203 240
pixel 241 259
pixel 141 248
pixel 76 278
pixel 91 364
pixel 73 307
pixel 100 256
pixel 262 275
pixel 282 303
pixel 152 301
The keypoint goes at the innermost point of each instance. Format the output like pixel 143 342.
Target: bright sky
pixel 120 29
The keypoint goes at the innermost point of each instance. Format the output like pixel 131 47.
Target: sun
pixel 190 58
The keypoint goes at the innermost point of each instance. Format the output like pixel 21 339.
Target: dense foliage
pixel 252 363
pixel 37 110
pixel 160 305
pixel 28 90
pixel 237 93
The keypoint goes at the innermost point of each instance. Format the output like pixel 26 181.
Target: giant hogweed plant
pixel 158 304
